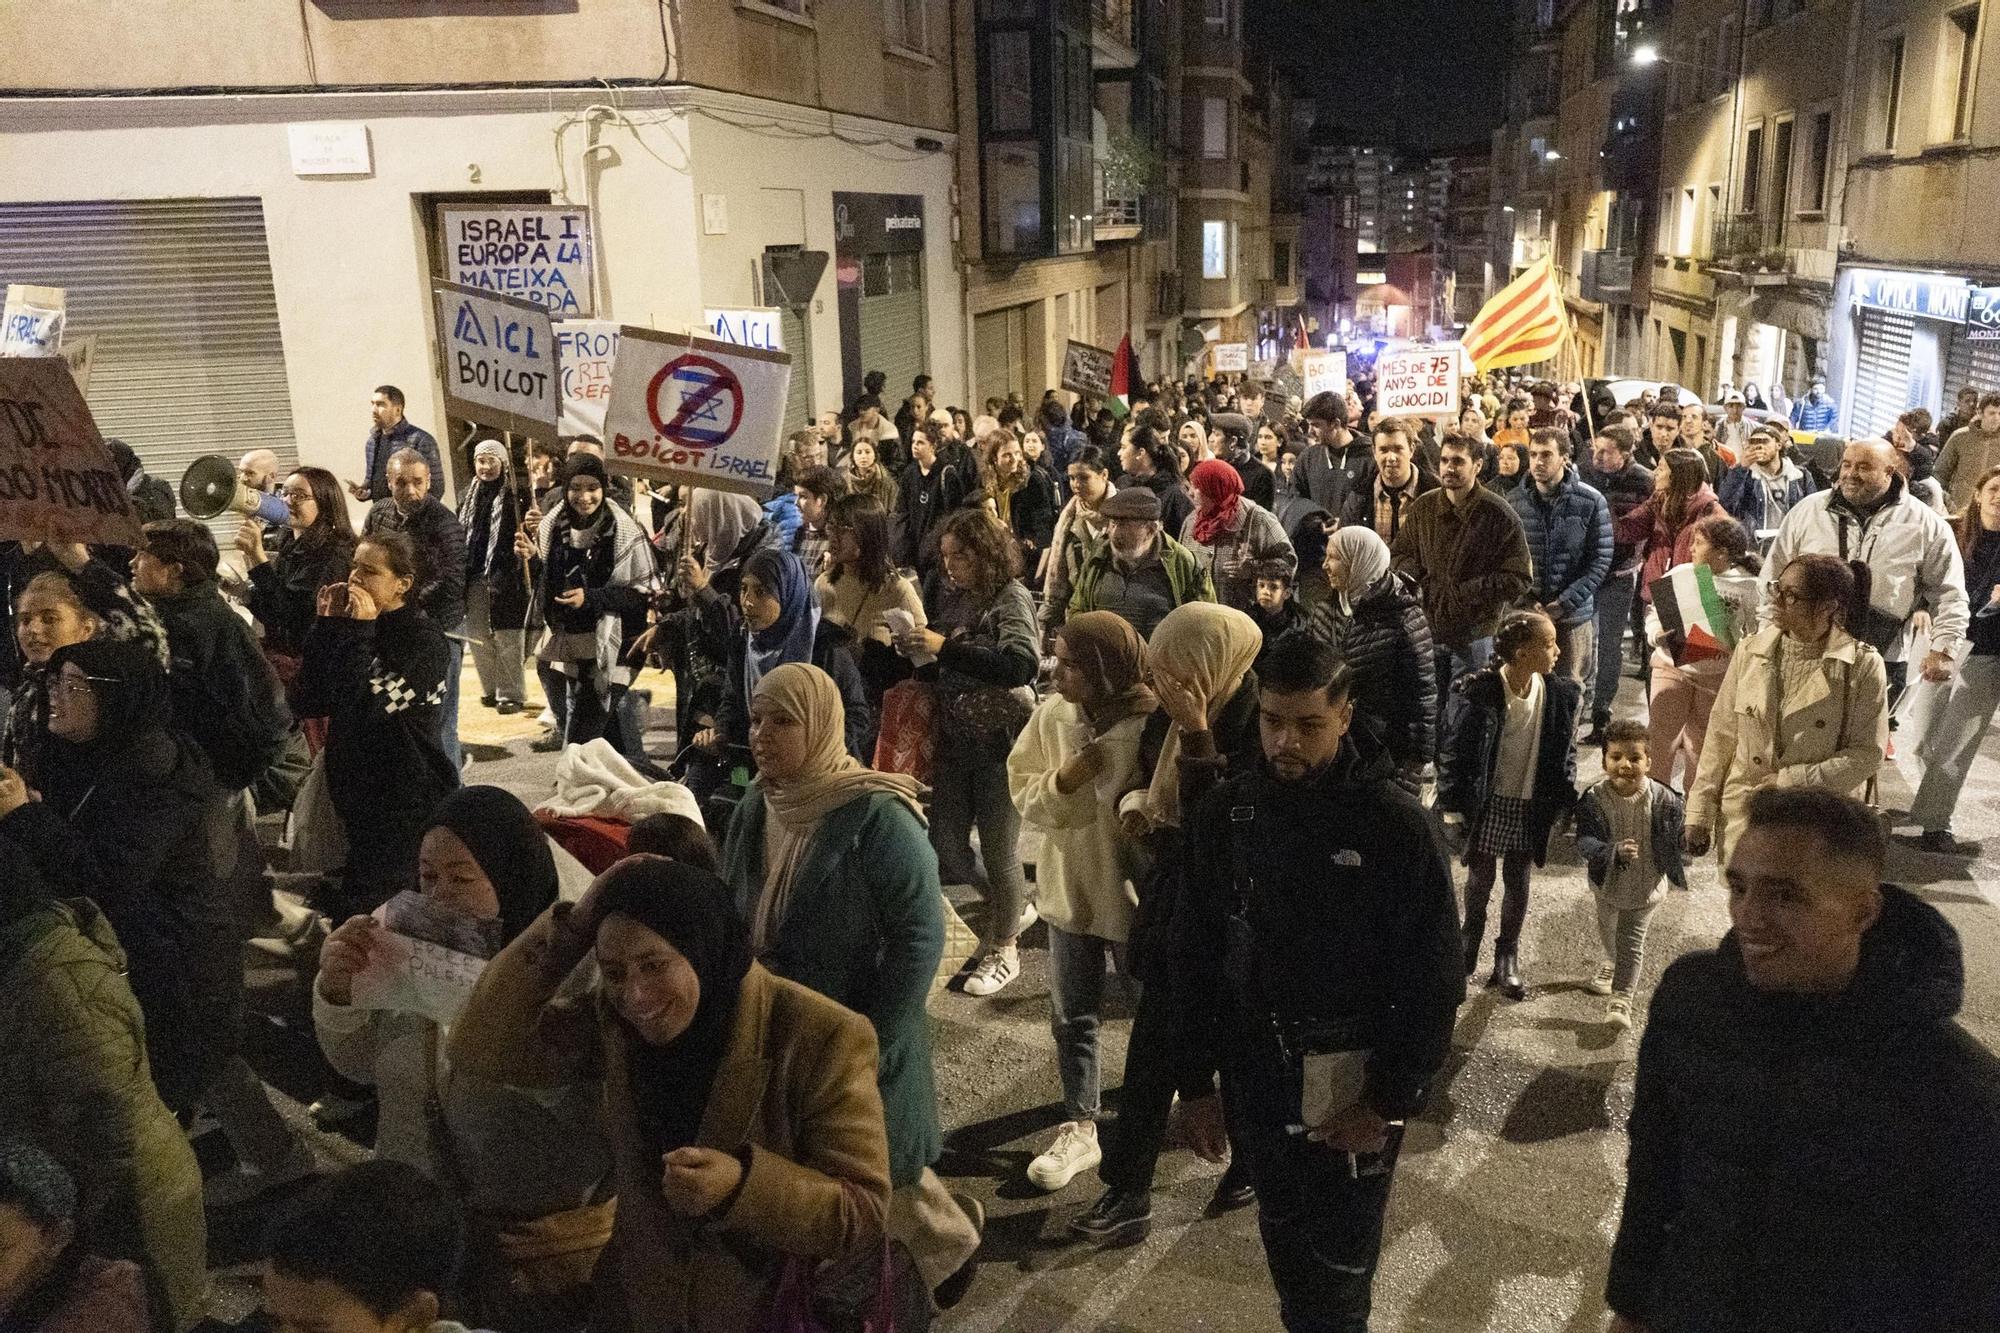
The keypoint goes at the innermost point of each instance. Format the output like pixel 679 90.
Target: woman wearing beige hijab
pixel 833 870
pixel 1200 660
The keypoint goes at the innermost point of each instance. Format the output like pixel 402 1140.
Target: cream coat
pixel 1084 875
pixel 1833 737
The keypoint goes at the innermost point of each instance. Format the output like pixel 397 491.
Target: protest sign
pixel 1324 372
pixel 685 408
pixel 1087 369
pixel 1418 382
pixel 80 354
pixel 747 328
pixel 31 323
pixel 57 480
pixel 537 252
pixel 425 961
pixel 499 360
pixel 586 350
pixel 1231 357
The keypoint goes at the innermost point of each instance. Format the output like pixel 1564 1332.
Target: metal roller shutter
pixel 993 354
pixel 892 322
pixel 178 293
pixel 798 397
pixel 1974 363
pixel 1881 372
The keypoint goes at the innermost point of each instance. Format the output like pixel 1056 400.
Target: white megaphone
pixel 210 487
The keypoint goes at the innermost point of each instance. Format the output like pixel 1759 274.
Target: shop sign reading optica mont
pixel 1418 382
pixel 690 409
pixel 499 360
pixel 534 252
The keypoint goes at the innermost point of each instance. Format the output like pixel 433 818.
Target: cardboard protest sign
pixel 536 252
pixel 57 480
pixel 690 409
pixel 80 355
pixel 499 360
pixel 748 328
pixel 1087 369
pixel 586 350
pixel 31 323
pixel 1418 382
pixel 1231 357
pixel 1323 372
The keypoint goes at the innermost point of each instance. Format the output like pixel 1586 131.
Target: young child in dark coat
pixel 1628 832
pixel 1277 610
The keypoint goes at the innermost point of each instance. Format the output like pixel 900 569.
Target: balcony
pixel 1168 298
pixel 1119 214
pixel 1112 45
pixel 1606 277
pixel 1771 251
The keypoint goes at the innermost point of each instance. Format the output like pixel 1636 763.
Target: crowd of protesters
pixel 1253 670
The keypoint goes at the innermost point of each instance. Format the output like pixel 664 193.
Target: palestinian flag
pixel 1693 614
pixel 1120 401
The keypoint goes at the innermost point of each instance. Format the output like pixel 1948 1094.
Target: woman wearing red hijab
pixel 1231 534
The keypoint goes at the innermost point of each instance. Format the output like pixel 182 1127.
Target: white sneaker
pixel 1029 916
pixel 242 1183
pixel 1601 983
pixel 1618 1013
pixel 1075 1150
pixel 995 970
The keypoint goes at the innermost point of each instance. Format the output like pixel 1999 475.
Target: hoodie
pixel 1822 1163
pixel 1352 917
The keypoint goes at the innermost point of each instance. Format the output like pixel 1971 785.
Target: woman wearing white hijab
pixel 832 868
pixel 1376 622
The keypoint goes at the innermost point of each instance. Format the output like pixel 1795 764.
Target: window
pixel 789 6
pixel 1214 249
pixel 1819 155
pixel 1781 169
pixel 1756 14
pixel 1889 89
pixel 1699 87
pixel 908 25
pixel 1215 127
pixel 1281 262
pixel 1215 15
pixel 1749 197
pixel 1725 58
pixel 1010 67
pixel 1684 233
pixel 1957 62
pixel 1714 212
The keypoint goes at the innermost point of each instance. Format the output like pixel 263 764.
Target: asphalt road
pixel 1509 1187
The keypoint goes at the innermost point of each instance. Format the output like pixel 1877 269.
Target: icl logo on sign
pixel 747 328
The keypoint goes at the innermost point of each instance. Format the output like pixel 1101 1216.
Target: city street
pixel 1508 1192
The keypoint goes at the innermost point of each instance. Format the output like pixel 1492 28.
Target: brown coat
pixel 796 1086
pixel 1470 561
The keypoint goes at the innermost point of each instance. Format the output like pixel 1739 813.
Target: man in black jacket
pixel 440 543
pixel 1338 460
pixel 1625 485
pixel 1815 1141
pixel 1316 947
pixel 226 697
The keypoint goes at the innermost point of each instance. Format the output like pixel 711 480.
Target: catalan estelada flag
pixel 1523 323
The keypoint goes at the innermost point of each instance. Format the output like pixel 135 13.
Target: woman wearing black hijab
pixel 126 817
pixel 742 1108
pixel 532 1168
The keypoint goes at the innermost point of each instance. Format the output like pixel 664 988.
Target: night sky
pixel 1350 54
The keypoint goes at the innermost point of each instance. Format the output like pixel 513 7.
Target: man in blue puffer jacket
pixel 1568 526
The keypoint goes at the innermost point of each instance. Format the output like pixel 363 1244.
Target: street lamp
pixel 1552 156
pixel 1646 55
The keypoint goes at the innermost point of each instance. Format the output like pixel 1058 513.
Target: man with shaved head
pixel 258 470
pixel 1916 579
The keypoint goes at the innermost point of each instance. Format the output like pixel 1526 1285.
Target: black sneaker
pixel 1234 1191
pixel 1940 842
pixel 1119 1217
pixel 548 744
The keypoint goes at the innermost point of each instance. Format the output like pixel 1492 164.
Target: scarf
pixel 790 637
pixel 480 512
pixel 1220 487
pixel 509 846
pixel 829 779
pixel 1213 647
pixel 1112 656
pixel 690 909
pixel 1364 557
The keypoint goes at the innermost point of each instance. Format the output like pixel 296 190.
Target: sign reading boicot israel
pixel 57 480
pixel 1324 372
pixel 695 410
pixel 499 360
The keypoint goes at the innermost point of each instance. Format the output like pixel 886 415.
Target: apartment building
pixel 245 202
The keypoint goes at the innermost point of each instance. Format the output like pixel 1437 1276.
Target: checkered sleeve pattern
pixel 397 695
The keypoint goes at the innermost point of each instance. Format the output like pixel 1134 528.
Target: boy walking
pixel 1628 831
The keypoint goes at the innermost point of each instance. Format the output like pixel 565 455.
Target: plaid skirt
pixel 1503 827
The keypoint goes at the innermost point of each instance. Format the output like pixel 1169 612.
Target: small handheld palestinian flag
pixel 1694 614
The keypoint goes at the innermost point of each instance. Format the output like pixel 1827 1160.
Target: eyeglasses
pixel 77 688
pixel 1784 596
pixel 296 497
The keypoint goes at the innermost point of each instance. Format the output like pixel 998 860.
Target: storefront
pixel 1909 340
pixel 879 264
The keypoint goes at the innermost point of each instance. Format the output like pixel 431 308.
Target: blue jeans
pixel 1614 613
pixel 448 713
pixel 1076 998
pixel 1451 664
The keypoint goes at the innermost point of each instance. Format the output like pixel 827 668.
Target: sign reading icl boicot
pixel 690 409
pixel 1418 382
pixel 536 252
pixel 499 360
pixel 57 481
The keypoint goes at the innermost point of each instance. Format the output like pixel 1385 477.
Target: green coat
pixel 74 1079
pixel 865 928
pixel 1185 575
